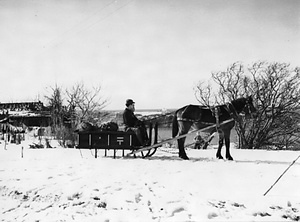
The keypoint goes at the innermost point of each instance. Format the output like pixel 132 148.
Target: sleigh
pixel 116 141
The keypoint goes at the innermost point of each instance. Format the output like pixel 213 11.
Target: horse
pixel 200 117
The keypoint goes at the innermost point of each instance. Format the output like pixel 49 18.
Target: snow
pixel 68 185
pixel 23 113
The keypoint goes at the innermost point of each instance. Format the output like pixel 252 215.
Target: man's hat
pixel 129 102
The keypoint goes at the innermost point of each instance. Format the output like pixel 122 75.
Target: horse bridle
pixel 234 110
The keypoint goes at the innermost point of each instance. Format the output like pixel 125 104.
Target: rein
pixel 192 121
pixel 151 120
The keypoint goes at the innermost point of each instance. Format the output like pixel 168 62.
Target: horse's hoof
pixel 229 158
pixel 220 157
pixel 184 157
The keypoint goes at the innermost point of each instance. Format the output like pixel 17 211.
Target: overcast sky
pixel 154 52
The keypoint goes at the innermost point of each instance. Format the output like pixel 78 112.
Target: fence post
pixel 155 133
pixel 150 133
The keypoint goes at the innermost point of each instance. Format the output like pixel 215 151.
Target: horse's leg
pixel 183 129
pixel 182 153
pixel 227 144
pixel 221 142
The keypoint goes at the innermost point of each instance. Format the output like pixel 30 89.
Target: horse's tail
pixel 175 125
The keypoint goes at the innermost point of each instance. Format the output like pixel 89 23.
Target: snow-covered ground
pixel 69 185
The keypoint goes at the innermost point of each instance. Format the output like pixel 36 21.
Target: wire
pixel 91 25
pixel 76 26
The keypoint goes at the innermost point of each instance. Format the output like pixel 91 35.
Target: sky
pixel 154 52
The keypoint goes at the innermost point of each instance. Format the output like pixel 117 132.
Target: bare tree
pixel 55 103
pixel 204 93
pixel 58 113
pixel 85 104
pixel 277 92
pixel 79 104
pixel 275 89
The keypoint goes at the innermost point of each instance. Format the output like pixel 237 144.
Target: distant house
pixel 25 113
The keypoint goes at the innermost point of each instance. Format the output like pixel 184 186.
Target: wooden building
pixel 25 114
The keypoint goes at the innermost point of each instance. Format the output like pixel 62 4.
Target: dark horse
pixel 200 117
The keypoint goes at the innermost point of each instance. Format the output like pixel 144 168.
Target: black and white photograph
pixel 149 110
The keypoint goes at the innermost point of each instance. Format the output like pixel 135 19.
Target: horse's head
pixel 244 106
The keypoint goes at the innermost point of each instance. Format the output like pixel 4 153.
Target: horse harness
pixel 216 112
